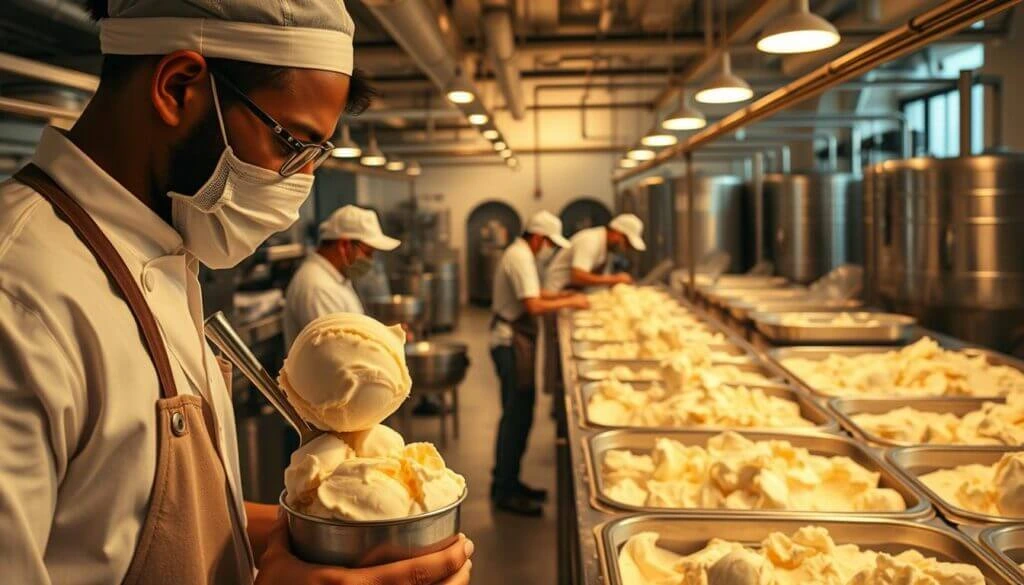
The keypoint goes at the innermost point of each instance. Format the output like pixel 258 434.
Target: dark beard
pixel 192 162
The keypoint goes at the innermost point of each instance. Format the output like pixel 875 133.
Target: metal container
pixel 823 352
pixel 846 408
pixel 809 410
pixel 363 544
pixel 686 535
pixel 721 352
pixel 814 222
pixel 955 232
pixel 594 371
pixel 723 297
pixel 436 365
pixel 914 462
pixel 823 444
pixel 718 222
pixel 819 328
pixel 444 300
pixel 1007 544
pixel 658 207
pixel 742 310
pixel 396 310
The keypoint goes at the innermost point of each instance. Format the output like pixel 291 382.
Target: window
pixel 936 117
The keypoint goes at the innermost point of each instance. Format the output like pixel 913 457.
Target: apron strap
pixel 111 262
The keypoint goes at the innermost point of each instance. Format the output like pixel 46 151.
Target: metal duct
pixel 62 11
pixel 415 26
pixel 501 48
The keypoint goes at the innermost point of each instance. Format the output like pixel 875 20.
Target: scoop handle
pixel 223 335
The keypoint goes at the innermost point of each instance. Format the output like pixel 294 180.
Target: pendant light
pixel 414 169
pixel 628 163
pixel 724 87
pixel 491 134
pixel 395 165
pixel 500 146
pixel 658 138
pixel 641 153
pixel 686 116
pixel 799 31
pixel 507 153
pixel 459 91
pixel 346 147
pixel 373 157
pixel 478 119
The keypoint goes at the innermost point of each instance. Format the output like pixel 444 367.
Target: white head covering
pixel 544 223
pixel 355 223
pixel 306 34
pixel 632 227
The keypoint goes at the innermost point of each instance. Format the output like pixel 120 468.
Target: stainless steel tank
pixel 445 314
pixel 659 225
pixel 872 176
pixel 816 222
pixel 958 226
pixel 719 207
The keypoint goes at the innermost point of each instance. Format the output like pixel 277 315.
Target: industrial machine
pixel 718 223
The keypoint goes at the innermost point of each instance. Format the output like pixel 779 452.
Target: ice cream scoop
pixel 346 372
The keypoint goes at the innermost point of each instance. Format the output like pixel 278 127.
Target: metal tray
pixel 846 408
pixel 586 370
pixel 809 409
pixel 823 444
pixel 724 296
pixel 724 352
pixel 913 462
pixel 741 310
pixel 822 352
pixel 1007 544
pixel 686 535
pixel 698 326
pixel 889 328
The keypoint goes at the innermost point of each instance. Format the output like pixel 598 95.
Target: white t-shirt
pixel 589 251
pixel 317 289
pixel 516 278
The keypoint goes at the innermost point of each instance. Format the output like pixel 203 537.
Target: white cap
pixel 311 34
pixel 355 223
pixel 546 224
pixel 632 227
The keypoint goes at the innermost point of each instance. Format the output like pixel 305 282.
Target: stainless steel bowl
pixel 396 309
pixel 364 544
pixel 435 364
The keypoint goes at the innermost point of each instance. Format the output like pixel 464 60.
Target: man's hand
pixel 579 301
pixel 279 567
pixel 623 278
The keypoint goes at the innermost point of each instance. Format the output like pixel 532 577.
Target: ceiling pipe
pixel 951 16
pixel 501 49
pixel 415 26
pixel 65 12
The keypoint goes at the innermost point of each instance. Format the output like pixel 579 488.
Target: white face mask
pixel 238 208
pixel 546 254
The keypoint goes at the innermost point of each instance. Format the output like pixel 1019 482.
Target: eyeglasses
pixel 303 153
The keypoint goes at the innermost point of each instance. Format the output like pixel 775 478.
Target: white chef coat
pixel 515 279
pixel 78 391
pixel 589 250
pixel 317 289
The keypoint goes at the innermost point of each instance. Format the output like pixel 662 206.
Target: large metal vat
pixel 719 207
pixel 958 233
pixel 816 222
pixel 657 204
pixel 445 300
pixel 872 177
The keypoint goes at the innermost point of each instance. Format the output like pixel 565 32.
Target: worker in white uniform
pixel 585 262
pixel 517 301
pixel 118 456
pixel 323 284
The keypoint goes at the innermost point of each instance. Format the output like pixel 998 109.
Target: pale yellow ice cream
pixel 808 556
pixel 346 372
pixel 993 424
pixel 842 319
pixel 617 403
pixel 370 475
pixel 733 472
pixel 920 369
pixel 654 349
pixel 994 490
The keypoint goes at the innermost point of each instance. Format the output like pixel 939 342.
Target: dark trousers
pixel 516 422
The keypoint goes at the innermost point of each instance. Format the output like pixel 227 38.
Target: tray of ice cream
pixel 980 485
pixel 900 422
pixel 746 472
pixel 656 549
pixel 357 494
pixel 1007 544
pixel 655 350
pixel 723 296
pixel 921 369
pixel 843 327
pixel 625 331
pixel 711 405
pixel 741 310
pixel 747 373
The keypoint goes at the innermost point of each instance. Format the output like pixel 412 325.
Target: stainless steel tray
pixel 809 409
pixel 587 370
pixel 913 462
pixel 846 408
pixel 887 327
pixel 724 352
pixel 741 310
pixel 687 535
pixel 823 444
pixel 724 296
pixel 822 352
pixel 578 331
pixel 1007 544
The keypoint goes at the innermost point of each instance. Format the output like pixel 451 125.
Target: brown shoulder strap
pixel 71 212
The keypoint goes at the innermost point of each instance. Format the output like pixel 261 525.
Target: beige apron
pixel 188 536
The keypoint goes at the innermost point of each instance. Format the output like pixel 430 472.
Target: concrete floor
pixel 509 549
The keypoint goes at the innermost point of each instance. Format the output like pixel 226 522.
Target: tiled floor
pixel 509 549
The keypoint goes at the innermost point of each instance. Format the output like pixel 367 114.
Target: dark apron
pixel 524 348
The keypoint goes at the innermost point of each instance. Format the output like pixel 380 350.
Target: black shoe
pixel 535 494
pixel 520 505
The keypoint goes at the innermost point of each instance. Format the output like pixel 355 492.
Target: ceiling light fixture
pixel 346 147
pixel 395 165
pixel 512 162
pixel 724 87
pixel 628 163
pixel 459 90
pixel 499 146
pixel 414 169
pixel 799 31
pixel 641 153
pixel 373 157
pixel 507 153
pixel 686 116
pixel 658 138
pixel 491 134
pixel 478 119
